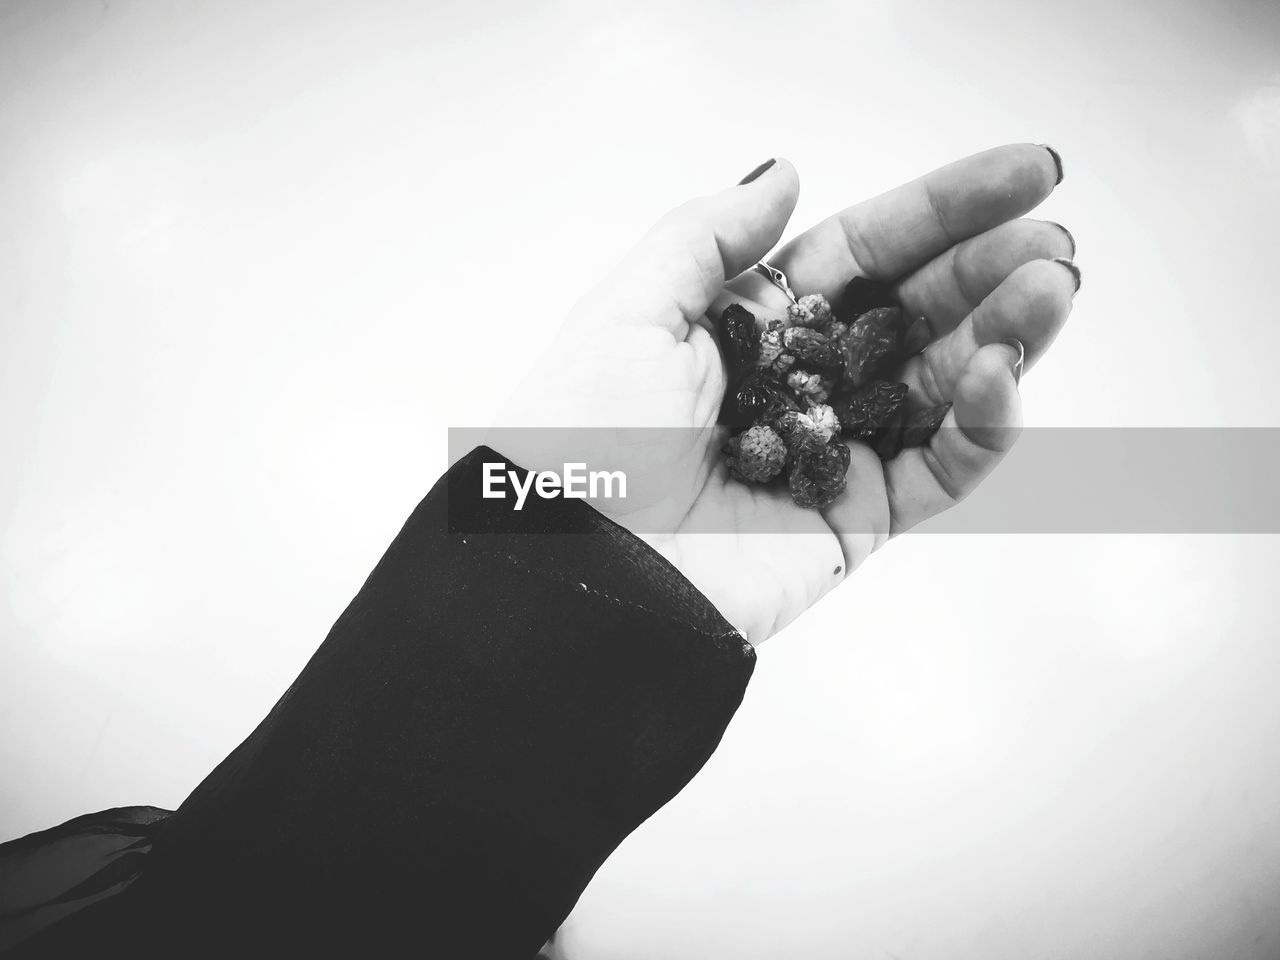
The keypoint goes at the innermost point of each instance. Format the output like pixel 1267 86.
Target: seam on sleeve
pixel 729 639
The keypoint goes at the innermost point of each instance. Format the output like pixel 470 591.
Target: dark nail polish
pixel 1070 239
pixel 1070 265
pixel 1057 161
pixel 756 172
pixel 1020 355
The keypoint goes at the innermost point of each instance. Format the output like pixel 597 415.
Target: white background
pixel 256 257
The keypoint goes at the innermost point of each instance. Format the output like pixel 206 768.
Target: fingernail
pixel 1070 265
pixel 1070 239
pixel 756 172
pixel 1057 161
pixel 1019 354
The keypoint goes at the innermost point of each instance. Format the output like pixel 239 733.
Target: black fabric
pixel 493 713
pixel 48 876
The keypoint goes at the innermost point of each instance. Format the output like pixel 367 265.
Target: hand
pixel 641 351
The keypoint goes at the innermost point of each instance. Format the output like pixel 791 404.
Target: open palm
pixel 641 352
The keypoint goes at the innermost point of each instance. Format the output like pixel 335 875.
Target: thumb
pixel 672 275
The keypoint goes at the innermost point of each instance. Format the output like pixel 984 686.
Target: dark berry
pixel 739 340
pixel 759 398
pixel 800 433
pixel 818 476
pixel 866 347
pixel 923 424
pixel 886 318
pixel 812 349
pixel 915 338
pixel 888 439
pixel 862 294
pixel 869 409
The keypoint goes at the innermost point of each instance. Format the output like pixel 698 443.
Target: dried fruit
pixel 886 318
pixel 825 419
pixel 888 440
pixel 759 398
pixel 923 424
pixel 862 294
pixel 915 338
pixel 738 340
pixel 866 346
pixel 757 455
pixel 811 349
pixel 811 311
pixel 772 355
pixel 869 409
pixel 801 433
pixel 783 373
pixel 812 387
pixel 818 476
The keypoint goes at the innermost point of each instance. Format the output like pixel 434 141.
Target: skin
pixel 643 349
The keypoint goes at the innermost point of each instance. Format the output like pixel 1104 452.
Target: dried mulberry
pixel 918 428
pixel 802 384
pixel 759 398
pixel 811 349
pixel 825 419
pixel 800 433
pixel 756 455
pixel 818 476
pixel 886 318
pixel 812 311
pixel 862 294
pixel 888 439
pixel 772 354
pixel 810 386
pixel 738 340
pixel 915 338
pixel 869 409
pixel 866 346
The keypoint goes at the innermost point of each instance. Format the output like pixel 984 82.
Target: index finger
pixel 888 236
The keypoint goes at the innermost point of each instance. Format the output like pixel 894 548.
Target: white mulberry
pixel 757 455
pixel 812 311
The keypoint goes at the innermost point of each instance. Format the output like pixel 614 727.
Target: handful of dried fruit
pixel 798 387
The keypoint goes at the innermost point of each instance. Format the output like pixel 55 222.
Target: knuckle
pixel 931 378
pixel 952 487
pixel 855 240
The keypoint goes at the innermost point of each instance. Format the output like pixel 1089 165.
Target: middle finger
pixel 951 285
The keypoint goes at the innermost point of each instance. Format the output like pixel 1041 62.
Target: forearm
pixel 488 719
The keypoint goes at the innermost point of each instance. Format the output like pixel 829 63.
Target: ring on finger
pixel 775 277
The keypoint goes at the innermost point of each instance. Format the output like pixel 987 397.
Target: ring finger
pixel 1031 305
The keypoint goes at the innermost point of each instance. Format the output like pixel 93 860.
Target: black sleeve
pixel 506 698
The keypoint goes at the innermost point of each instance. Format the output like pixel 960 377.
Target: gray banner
pixel 1054 480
